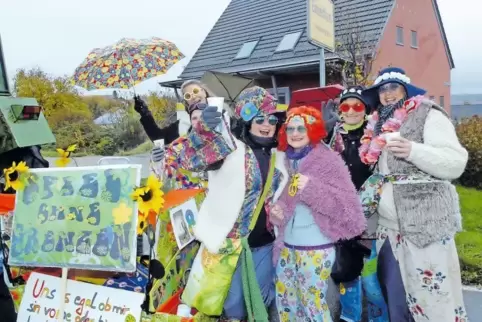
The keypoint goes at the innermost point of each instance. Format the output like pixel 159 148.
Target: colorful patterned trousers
pixel 302 277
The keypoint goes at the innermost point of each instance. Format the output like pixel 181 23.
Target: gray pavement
pixel 473 298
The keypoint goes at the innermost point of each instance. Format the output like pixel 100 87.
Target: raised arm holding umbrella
pixel 126 64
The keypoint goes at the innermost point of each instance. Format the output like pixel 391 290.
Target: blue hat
pixel 391 75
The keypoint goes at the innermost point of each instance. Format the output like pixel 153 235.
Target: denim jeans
pixel 234 306
pixel 351 294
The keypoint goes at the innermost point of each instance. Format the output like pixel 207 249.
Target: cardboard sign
pixel 83 302
pixel 77 218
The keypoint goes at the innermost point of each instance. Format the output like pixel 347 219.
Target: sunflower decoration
pixel 16 177
pixel 149 199
pixel 64 155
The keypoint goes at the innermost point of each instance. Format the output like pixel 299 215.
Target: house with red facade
pixel 267 40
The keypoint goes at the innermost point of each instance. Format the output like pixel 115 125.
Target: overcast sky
pixel 56 35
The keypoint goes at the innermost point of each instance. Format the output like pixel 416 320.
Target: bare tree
pixel 357 47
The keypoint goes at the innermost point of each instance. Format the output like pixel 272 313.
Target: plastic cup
pixel 390 136
pixel 159 143
pixel 183 310
pixel 216 101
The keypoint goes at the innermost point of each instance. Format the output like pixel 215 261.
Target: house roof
pixel 444 36
pixel 269 21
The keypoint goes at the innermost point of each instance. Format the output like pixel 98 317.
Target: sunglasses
pixel 195 92
pixel 390 87
pixel 260 119
pixel 358 107
pixel 300 129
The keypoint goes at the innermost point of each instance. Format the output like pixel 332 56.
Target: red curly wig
pixel 316 130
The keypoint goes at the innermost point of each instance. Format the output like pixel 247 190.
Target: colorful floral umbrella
pixel 127 63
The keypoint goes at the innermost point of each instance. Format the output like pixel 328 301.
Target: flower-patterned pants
pixel 302 277
pixel 430 277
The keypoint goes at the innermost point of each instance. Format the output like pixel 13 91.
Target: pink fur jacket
pixel 329 193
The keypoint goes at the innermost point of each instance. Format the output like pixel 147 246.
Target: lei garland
pixel 372 147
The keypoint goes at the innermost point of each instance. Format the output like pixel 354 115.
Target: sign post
pixel 321 30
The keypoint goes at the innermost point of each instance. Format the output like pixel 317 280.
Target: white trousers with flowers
pixel 431 277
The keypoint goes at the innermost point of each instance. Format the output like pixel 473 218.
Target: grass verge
pixel 145 147
pixel 469 242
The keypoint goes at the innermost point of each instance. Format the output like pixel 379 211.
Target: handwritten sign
pixel 83 302
pixel 77 218
pixel 183 219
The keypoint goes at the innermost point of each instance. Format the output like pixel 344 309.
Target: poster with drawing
pixel 183 219
pixel 43 298
pixel 77 218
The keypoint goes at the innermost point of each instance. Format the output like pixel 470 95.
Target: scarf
pixel 261 141
pixel 292 154
pixel 386 112
pixel 351 127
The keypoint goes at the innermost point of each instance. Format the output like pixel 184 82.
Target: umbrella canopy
pixel 126 63
pixel 226 85
pixel 315 96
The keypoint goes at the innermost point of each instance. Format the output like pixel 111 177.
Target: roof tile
pixel 269 21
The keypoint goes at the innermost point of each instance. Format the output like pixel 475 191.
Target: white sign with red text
pixel 83 302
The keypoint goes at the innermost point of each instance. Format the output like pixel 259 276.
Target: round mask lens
pixel 187 96
pixel 259 120
pixel 344 108
pixel 290 130
pixel 195 90
pixel 272 120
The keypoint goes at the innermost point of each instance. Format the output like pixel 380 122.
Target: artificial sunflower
pixel 150 196
pixel 64 155
pixel 16 176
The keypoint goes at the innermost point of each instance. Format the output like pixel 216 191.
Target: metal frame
pixel 128 161
pixel 3 68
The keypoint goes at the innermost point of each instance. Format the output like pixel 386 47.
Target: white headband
pixel 351 90
pixel 392 75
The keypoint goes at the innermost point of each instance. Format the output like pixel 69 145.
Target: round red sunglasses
pixel 358 107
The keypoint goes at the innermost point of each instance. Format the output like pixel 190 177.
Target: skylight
pixel 246 50
pixel 289 41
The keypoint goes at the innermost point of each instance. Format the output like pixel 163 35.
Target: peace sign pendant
pixel 293 188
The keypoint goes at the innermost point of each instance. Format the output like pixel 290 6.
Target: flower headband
pixel 305 118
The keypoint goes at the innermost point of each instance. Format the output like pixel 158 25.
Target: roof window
pixel 246 50
pixel 289 41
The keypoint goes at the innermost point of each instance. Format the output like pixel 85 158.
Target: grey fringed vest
pixel 427 211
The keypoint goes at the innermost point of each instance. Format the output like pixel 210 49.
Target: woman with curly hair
pixel 318 207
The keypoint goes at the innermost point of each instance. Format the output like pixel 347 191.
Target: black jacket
pixel 260 235
pixel 358 170
pixel 352 142
pixel 154 132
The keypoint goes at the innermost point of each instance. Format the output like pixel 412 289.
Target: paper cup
pixel 159 143
pixel 216 101
pixel 183 310
pixel 390 136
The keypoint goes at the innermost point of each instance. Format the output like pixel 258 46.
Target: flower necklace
pixel 371 146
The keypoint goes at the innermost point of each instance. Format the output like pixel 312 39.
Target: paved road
pixel 473 299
